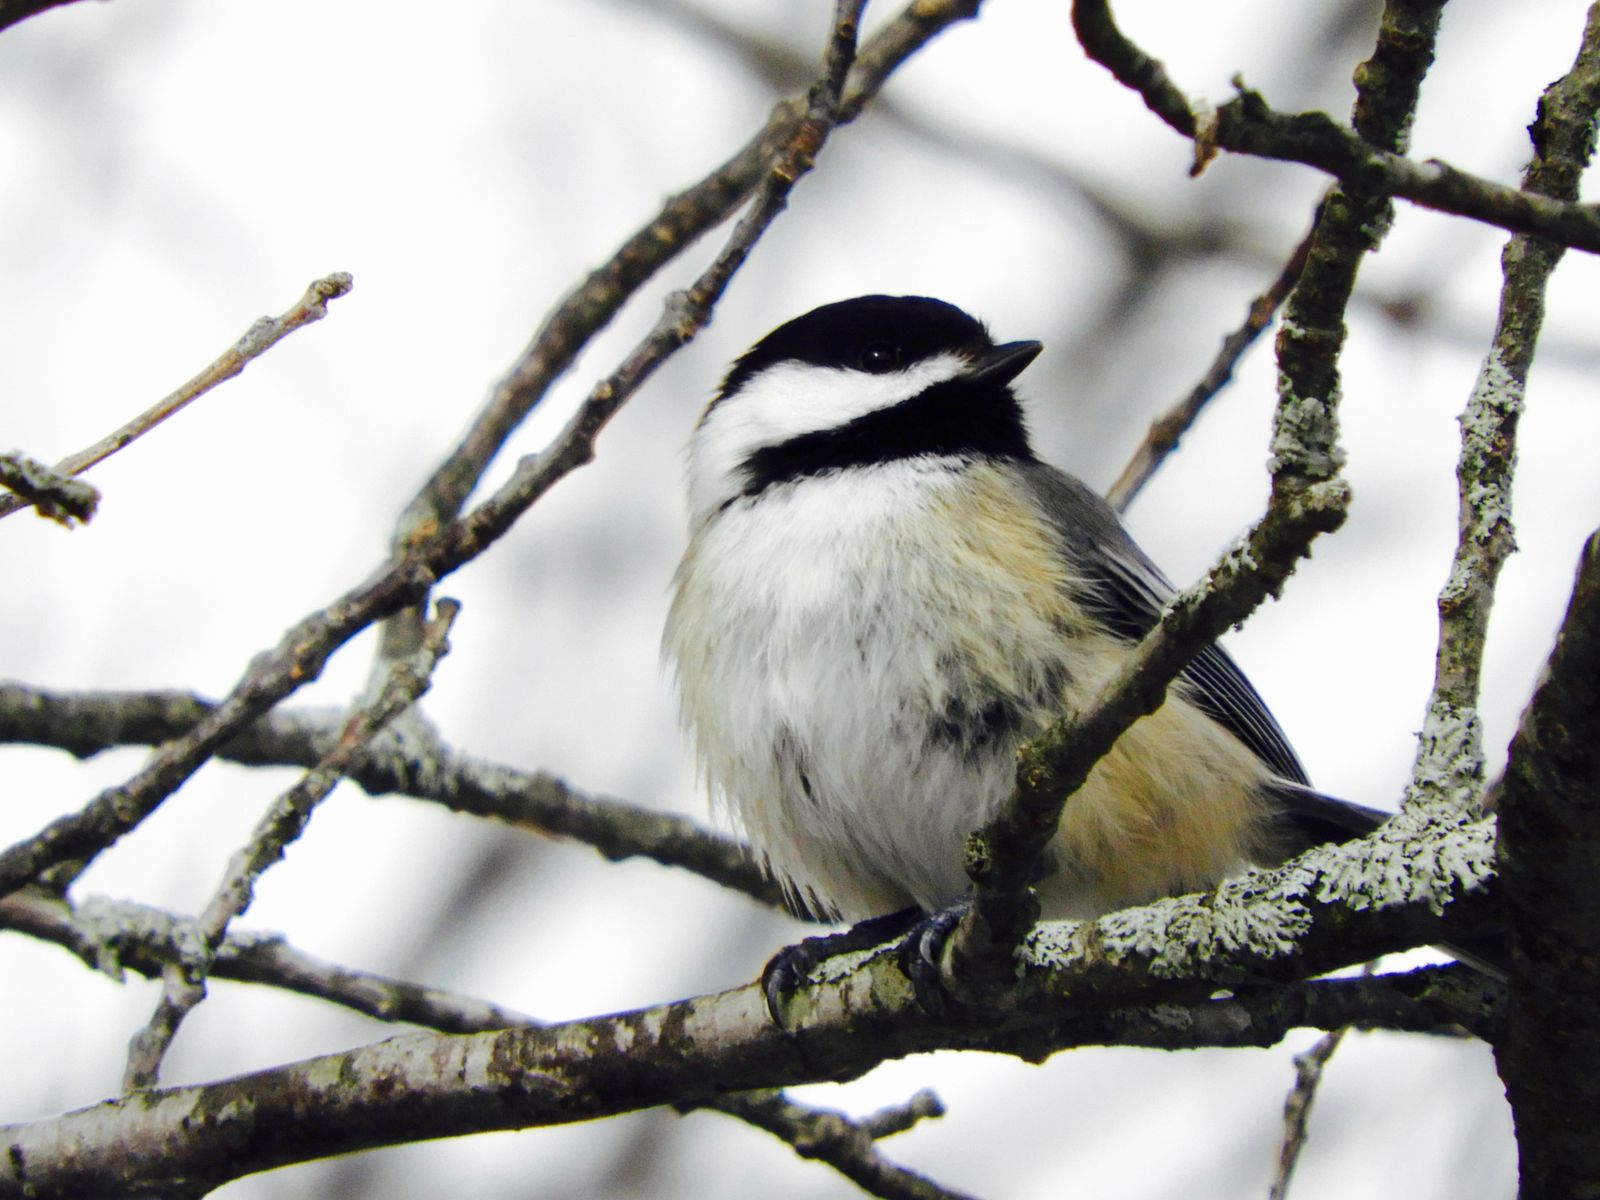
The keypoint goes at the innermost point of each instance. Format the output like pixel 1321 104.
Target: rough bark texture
pixel 1550 867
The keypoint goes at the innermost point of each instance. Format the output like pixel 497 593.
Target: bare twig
pixel 1167 429
pixel 1246 125
pixel 183 982
pixel 113 935
pixel 845 1145
pixel 52 494
pixel 1449 769
pixel 259 338
pixel 1297 1108
pixel 436 551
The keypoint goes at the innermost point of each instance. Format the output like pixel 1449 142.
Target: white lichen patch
pixel 1178 935
pixel 111 923
pixel 1264 915
pixel 1410 862
pixel 1238 559
pixel 1486 423
pixel 1449 765
pixel 1305 429
pixel 576 1040
pixel 1496 394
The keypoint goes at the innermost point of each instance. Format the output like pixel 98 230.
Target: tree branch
pixel 183 983
pixel 1550 861
pixel 590 307
pixel 110 936
pixel 1297 1108
pixel 845 1145
pixel 113 935
pixel 59 497
pixel 1246 125
pixel 1448 774
pixel 88 723
pixel 1168 429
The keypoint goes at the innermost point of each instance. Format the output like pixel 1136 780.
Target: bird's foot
pixel 788 970
pixel 922 958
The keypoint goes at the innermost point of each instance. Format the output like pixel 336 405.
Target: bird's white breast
pixel 833 635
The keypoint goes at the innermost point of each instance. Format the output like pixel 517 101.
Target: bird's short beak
pixel 1004 363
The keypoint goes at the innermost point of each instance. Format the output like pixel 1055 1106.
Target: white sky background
pixel 176 169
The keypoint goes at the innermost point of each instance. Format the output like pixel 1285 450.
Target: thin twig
pixel 1448 772
pixel 183 983
pixel 1297 1108
pixel 844 1144
pixel 53 495
pixel 1168 429
pixel 257 340
pixel 301 654
pixel 684 315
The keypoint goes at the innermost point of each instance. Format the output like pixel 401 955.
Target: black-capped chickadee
pixel 885 593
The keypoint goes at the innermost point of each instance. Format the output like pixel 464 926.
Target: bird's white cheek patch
pixel 787 401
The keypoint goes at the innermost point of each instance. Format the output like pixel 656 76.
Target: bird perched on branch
pixel 885 593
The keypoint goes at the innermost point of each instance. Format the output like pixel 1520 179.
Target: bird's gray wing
pixel 1126 591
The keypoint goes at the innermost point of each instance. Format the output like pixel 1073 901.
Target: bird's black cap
pixel 867 333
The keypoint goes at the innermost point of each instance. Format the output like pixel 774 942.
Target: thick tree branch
pixel 112 936
pixel 1077 980
pixel 1550 863
pixel 1246 125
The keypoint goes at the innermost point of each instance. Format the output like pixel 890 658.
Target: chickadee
pixel 885 593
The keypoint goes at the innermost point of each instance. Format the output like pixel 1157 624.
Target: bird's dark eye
pixel 879 358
